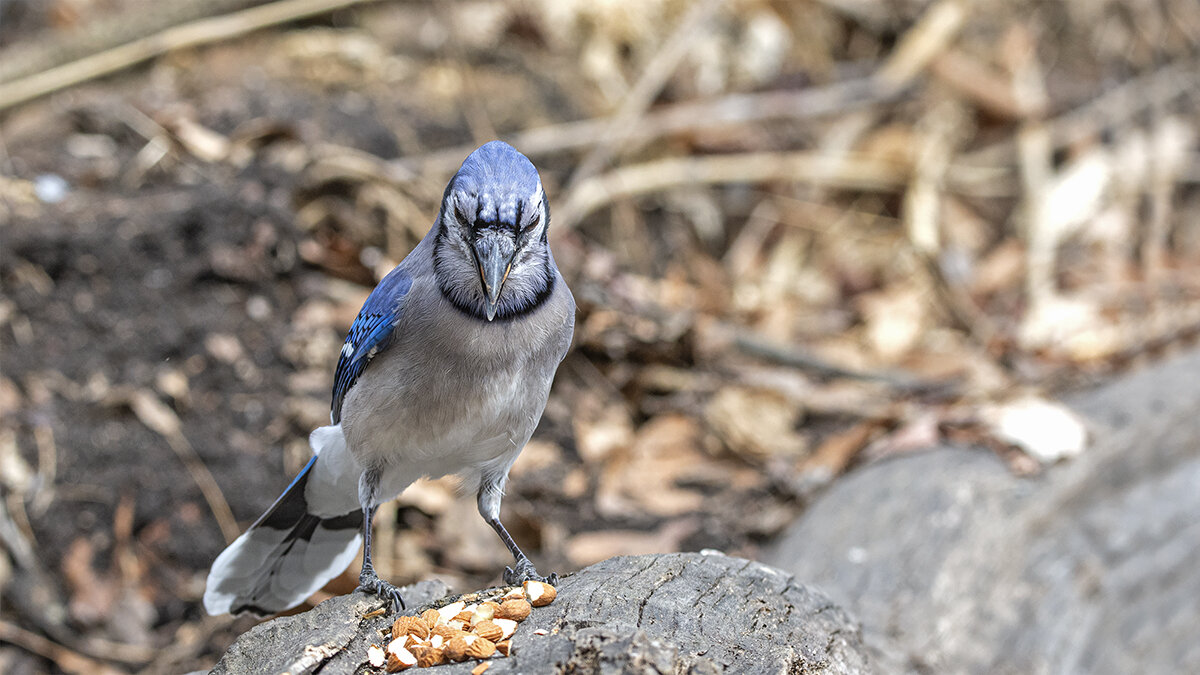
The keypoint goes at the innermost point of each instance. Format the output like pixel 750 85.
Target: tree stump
pixel 670 613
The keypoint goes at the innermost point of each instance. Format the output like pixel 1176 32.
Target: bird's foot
pixel 369 582
pixel 525 571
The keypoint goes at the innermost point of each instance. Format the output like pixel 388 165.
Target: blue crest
pixel 495 184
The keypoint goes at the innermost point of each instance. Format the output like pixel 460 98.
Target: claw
pixel 525 571
pixel 376 586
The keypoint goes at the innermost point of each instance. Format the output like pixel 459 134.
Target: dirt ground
pixel 926 220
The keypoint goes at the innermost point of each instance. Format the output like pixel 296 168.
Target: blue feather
pixel 370 334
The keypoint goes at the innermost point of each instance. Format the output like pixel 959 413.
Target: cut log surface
pixel 670 613
pixel 954 565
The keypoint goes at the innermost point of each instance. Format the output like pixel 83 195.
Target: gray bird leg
pixel 368 580
pixel 490 493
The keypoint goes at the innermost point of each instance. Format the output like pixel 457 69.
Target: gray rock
pixel 954 565
pixel 675 613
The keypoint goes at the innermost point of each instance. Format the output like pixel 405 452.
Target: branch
pixel 194 34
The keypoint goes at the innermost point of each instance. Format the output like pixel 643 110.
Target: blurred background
pixel 804 236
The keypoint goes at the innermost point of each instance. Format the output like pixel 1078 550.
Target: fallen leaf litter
pixel 460 630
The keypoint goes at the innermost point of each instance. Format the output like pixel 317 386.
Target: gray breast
pixel 448 377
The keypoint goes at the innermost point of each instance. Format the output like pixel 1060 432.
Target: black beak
pixel 494 255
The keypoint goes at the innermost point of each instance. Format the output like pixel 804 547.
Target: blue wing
pixel 369 334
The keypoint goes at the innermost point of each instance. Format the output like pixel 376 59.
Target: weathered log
pixel 954 565
pixel 672 613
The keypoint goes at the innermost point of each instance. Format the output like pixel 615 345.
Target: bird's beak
pixel 494 256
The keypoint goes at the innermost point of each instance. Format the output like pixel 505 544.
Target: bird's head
pixel 491 255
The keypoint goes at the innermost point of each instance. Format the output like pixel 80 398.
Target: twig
pixel 58 44
pixel 70 661
pixel 194 34
pixel 1035 160
pixel 161 419
pixel 654 76
pixel 1126 102
pixel 936 28
pixel 787 356
pixel 848 171
pixel 189 641
pixel 922 214
pixel 13 540
pixel 43 437
pixel 981 84
pixel 874 16
pixel 15 530
pixel 475 112
pixel 207 484
pixel 1121 104
pixel 37 601
pixel 928 36
pixel 688 116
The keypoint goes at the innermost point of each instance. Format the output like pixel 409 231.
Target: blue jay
pixel 446 370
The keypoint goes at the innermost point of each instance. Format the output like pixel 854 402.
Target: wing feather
pixel 370 334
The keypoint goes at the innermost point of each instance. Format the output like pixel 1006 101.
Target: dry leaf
pixel 224 347
pixel 836 452
pixel 920 433
pixel 10 396
pixel 1046 430
pixel 92 596
pixel 433 497
pixel 643 480
pixel 895 320
pixel 601 430
pixel 537 454
pixel 1001 269
pixel 1074 196
pixel 756 423
pixel 1072 326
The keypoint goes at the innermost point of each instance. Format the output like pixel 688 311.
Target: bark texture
pixel 671 613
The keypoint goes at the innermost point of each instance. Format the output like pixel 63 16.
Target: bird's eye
pixel 537 218
pixel 461 215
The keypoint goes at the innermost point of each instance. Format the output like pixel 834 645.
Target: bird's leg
pixel 368 580
pixel 523 570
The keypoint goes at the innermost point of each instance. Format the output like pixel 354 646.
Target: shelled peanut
pixel 459 630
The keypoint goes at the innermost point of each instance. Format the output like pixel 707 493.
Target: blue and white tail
pixel 299 544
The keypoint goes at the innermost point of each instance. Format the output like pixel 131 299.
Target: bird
pixel 445 371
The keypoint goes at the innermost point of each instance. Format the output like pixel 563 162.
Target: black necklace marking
pixel 475 309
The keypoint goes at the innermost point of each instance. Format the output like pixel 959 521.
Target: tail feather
pixel 284 557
